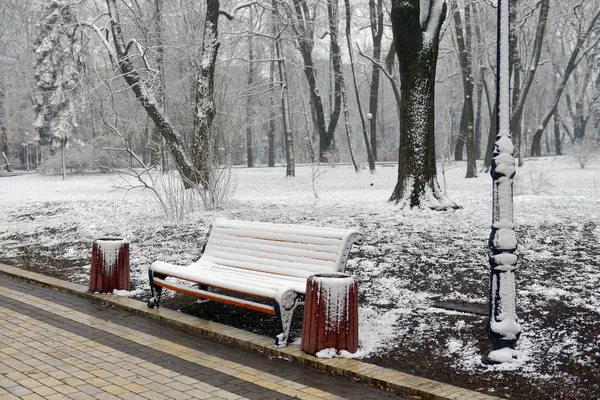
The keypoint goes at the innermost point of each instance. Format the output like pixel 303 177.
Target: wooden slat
pixel 272 259
pixel 279 236
pixel 216 297
pixel 327 253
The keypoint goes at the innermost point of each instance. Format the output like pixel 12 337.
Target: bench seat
pixel 268 261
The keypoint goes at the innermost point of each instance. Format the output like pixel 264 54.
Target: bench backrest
pixel 293 250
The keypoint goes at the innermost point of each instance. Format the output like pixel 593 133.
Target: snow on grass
pixel 410 260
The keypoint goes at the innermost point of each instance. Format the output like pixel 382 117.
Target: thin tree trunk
pixel 487 160
pixel 363 121
pixel 272 114
pixel 479 95
pixel 515 71
pixel 349 131
pixel 516 129
pixel 336 61
pixel 63 145
pixel 557 138
pixel 459 145
pixel 467 120
pixel 3 135
pixel 303 25
pixel 376 16
pixel 290 170
pixel 339 84
pixel 162 86
pixel 249 100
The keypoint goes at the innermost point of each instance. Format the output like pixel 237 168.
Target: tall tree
pixel 302 18
pixel 363 119
pixel 250 98
pixel 288 138
pixel 376 24
pixel 58 66
pixel 463 39
pixel 416 36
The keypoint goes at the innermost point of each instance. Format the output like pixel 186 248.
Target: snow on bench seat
pixel 270 261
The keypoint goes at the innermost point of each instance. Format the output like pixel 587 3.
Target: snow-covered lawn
pixel 411 259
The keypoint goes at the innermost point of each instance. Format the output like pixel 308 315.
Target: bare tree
pixel 249 97
pixel 463 39
pixel 285 101
pixel 376 15
pixel 193 170
pixel 579 47
pixel 363 120
pixel 302 18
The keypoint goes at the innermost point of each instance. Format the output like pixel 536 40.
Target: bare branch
pixel 229 14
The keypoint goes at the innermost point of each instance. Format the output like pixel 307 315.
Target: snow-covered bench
pixel 251 260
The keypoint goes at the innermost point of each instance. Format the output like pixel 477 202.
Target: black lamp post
pixel 503 328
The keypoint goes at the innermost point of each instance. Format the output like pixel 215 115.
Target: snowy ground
pixel 411 258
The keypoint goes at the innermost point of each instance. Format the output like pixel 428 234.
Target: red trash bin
pixel 110 265
pixel 330 313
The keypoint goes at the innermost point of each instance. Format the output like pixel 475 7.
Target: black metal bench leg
pixel 284 307
pixel 155 290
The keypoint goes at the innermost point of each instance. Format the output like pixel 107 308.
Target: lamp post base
pixel 504 355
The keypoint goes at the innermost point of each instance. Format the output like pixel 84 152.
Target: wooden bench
pixel 269 263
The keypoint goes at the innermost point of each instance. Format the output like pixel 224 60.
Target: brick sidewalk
pixel 59 346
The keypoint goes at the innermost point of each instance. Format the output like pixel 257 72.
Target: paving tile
pixel 32 396
pixel 19 390
pixel 96 352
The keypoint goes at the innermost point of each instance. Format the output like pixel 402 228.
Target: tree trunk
pixel 249 100
pixel 4 148
pixel 336 62
pixel 3 135
pixel 157 143
pixel 272 113
pixel 515 71
pixel 63 145
pixel 303 25
pixel 557 138
pixel 459 145
pixel 463 39
pixel 203 149
pixel 290 170
pixel 363 123
pixel 487 160
pixel 479 95
pixel 376 15
pixel 417 49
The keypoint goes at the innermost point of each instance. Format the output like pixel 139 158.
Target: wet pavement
pixel 54 345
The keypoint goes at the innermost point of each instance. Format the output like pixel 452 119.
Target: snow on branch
pixel 229 14
pixel 103 38
pixel 142 54
pixel 432 16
